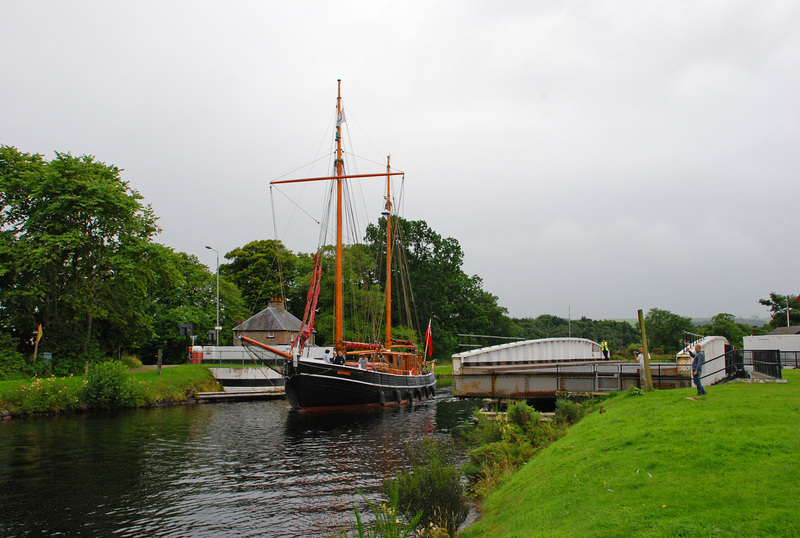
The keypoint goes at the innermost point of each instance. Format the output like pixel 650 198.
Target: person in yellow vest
pixel 604 349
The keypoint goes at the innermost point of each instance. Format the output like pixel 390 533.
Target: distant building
pixel 782 338
pixel 786 330
pixel 272 326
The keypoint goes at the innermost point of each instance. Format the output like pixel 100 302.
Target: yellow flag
pixel 39 333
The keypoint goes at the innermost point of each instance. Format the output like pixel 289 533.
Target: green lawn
pixel 443 373
pixel 664 465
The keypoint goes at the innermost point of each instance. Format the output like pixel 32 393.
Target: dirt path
pixel 151 367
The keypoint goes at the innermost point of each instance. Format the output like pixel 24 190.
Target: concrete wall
pixel 713 348
pixel 783 342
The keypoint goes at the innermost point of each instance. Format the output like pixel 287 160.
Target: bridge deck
pixel 546 380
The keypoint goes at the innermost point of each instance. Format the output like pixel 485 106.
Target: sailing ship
pixel 388 372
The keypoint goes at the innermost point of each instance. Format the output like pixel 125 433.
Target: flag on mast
pixel 429 341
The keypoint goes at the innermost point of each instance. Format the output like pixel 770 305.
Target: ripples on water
pixel 234 469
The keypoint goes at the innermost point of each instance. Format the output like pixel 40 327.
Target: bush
pixel 433 485
pixel 490 464
pixel 567 411
pixel 131 361
pixel 484 431
pixel 634 391
pixel 109 385
pixel 521 414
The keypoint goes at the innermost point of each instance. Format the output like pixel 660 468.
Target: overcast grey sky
pixel 600 157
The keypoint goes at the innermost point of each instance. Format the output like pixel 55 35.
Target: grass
pixel 660 464
pixel 177 383
pixel 61 394
pixel 445 370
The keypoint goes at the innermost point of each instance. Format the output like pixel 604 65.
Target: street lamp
pixel 217 329
pixel 782 310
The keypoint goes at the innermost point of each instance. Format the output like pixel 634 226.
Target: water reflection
pixel 243 469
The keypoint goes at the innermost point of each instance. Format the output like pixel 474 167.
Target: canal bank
pixel 146 388
pixel 663 463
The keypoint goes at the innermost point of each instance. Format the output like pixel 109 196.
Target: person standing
pixel 698 358
pixel 604 349
pixel 327 357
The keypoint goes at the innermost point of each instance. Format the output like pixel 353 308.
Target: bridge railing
pixel 742 363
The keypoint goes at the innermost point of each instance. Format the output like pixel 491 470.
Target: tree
pixel 186 293
pixel 262 270
pixel 619 334
pixel 440 290
pixel 73 233
pixel 665 330
pixel 778 305
pixel 725 325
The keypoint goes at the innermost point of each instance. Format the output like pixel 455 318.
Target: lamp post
pixel 217 329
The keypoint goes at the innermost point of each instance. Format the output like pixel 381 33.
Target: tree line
pixel 78 257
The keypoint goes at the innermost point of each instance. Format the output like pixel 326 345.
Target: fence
pixel 790 359
pixel 765 362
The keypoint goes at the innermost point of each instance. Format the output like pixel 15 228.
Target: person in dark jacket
pixel 697 368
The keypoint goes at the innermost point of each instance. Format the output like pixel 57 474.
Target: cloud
pixel 601 157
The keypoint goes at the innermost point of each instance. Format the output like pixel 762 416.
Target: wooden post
pixel 645 353
pixel 159 360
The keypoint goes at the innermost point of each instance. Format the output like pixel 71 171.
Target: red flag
pixel 429 341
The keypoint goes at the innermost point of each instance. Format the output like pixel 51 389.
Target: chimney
pixel 276 302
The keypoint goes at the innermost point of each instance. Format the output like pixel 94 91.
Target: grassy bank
pixel 65 394
pixel 660 464
pixel 444 374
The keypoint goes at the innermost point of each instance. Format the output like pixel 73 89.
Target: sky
pixel 591 158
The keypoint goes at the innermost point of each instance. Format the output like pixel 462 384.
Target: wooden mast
pixel 388 214
pixel 339 172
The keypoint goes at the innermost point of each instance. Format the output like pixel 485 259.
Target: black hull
pixel 313 384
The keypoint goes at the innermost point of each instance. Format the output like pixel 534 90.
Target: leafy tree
pixel 665 330
pixel 619 334
pixel 73 233
pixel 440 290
pixel 258 268
pixel 777 305
pixel 725 325
pixel 187 294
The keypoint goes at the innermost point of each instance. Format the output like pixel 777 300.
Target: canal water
pixel 228 469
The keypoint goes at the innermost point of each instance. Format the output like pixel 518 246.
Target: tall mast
pixel 339 172
pixel 388 214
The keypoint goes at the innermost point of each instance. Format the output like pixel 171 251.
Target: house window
pixel 270 334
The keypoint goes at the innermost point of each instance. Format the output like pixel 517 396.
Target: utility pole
pixel 217 329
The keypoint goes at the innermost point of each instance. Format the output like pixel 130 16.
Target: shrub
pixel 484 431
pixel 14 365
pixel 521 414
pixel 131 361
pixel 433 486
pixel 109 385
pixel 634 391
pixel 568 412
